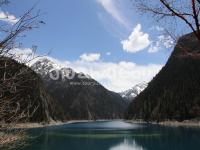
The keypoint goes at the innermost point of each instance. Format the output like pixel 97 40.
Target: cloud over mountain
pixel 91 57
pixel 116 76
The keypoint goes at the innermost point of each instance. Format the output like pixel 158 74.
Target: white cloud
pixel 114 76
pixel 117 76
pixel 113 9
pixel 108 53
pixel 9 18
pixel 166 40
pixel 90 57
pixel 163 41
pixel 158 28
pixel 22 55
pixel 154 47
pixel 137 41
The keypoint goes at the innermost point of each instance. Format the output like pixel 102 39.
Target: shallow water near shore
pixel 113 135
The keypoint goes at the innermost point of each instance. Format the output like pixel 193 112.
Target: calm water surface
pixel 113 135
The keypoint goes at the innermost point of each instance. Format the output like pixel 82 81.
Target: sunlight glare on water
pixel 127 145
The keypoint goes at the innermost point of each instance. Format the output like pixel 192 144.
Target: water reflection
pixel 113 136
pixel 127 145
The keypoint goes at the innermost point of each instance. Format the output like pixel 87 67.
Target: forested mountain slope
pixel 174 93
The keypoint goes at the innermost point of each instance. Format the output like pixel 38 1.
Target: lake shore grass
pixel 186 123
pixel 37 125
pixel 171 123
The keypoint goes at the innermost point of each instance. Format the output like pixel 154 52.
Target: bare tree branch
pixel 13 79
pixel 187 12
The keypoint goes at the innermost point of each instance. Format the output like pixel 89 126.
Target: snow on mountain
pixel 133 92
pixel 80 94
pixel 44 66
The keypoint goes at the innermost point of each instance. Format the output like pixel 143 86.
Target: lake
pixel 113 135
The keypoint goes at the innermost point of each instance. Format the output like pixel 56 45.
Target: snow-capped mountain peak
pixel 134 91
pixel 46 66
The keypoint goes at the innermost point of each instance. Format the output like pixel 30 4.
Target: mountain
pixel 134 91
pixel 22 94
pixel 79 96
pixel 174 94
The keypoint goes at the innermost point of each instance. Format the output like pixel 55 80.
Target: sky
pixel 106 39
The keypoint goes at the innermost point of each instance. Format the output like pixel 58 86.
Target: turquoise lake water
pixel 113 135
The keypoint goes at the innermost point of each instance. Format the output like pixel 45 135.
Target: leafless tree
pixel 12 83
pixel 185 12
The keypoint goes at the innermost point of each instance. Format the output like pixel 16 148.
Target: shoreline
pixel 170 123
pixel 36 125
pixel 186 123
pixel 54 123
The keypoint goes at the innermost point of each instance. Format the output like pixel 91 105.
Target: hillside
pixel 22 95
pixel 80 97
pixel 174 93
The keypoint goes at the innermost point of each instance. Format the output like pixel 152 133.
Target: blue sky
pixel 90 34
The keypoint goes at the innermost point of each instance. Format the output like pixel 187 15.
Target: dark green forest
pixel 174 94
